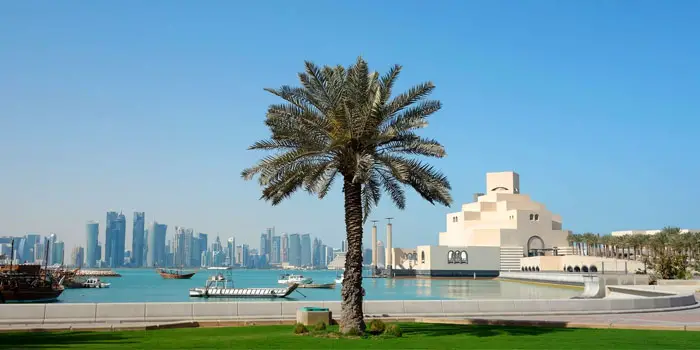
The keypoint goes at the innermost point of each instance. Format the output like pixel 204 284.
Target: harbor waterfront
pixel 145 285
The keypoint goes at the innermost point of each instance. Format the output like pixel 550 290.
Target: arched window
pixel 537 268
pixel 422 257
pixel 537 217
pixel 569 269
pixel 593 268
pixel 450 257
pixel 464 258
pixel 584 268
pixel 532 217
pixel 577 269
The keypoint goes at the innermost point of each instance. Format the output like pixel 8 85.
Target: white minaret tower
pixel 374 244
pixel 389 255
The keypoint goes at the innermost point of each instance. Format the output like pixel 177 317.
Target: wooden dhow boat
pixel 174 274
pixel 28 283
pixel 219 286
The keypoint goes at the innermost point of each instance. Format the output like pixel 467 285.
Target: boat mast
pixel 12 253
pixel 46 260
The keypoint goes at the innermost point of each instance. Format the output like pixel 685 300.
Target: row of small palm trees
pixel 669 241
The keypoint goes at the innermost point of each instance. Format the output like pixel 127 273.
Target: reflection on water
pixel 143 285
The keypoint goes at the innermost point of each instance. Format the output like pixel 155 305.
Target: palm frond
pixel 371 194
pixel 432 185
pixel 410 97
pixel 345 122
pixel 413 144
pixel 411 118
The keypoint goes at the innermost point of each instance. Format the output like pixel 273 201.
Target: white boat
pixel 298 279
pixel 221 287
pixel 93 282
pixel 339 279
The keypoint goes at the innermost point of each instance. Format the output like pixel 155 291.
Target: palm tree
pixel 571 238
pixel 344 123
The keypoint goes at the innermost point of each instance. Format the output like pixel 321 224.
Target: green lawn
pixel 416 336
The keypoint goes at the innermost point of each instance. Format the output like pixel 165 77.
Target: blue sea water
pixel 145 285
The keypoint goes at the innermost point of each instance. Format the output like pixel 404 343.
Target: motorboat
pixel 220 286
pixel 292 278
pixel 339 279
pixel 93 282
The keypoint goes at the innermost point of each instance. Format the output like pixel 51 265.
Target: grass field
pixel 415 336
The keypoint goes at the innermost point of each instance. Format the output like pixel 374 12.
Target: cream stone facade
pixel 492 233
pixel 504 217
pixel 580 263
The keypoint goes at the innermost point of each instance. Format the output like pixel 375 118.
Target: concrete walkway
pixel 683 320
pixel 672 320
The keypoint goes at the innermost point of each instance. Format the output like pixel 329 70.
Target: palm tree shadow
pixel 479 328
pixel 59 339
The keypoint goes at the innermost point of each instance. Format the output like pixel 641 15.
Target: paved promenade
pixel 682 320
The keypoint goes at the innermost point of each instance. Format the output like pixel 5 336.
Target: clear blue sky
pixel 150 105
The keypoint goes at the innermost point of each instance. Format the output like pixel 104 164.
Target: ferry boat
pixel 220 286
pixel 95 283
pixel 291 278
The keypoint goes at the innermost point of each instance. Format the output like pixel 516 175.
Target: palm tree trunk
pixel 351 308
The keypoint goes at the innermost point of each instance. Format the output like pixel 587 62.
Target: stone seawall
pixel 575 279
pixel 223 311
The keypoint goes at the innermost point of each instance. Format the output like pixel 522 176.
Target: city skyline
pixel 516 83
pixel 128 234
pixel 187 248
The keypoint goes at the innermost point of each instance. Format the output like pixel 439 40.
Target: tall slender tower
pixel 389 255
pixel 92 229
pixel 374 244
pixel 137 242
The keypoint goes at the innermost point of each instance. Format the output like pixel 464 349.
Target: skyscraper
pixel 137 239
pixel 51 242
pixel 40 250
pixel 284 250
pixel 24 250
pixel 295 250
pixel 264 248
pixel 316 252
pixel 92 231
pixel 77 256
pixel 203 243
pixel 145 246
pixel 152 255
pixel 367 256
pixel 161 253
pixel 231 251
pixel 115 240
pixel 305 250
pixel 328 255
pixel 32 240
pixel 58 253
pixel 381 253
pixel 275 252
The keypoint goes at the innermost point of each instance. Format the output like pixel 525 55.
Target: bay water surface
pixel 145 285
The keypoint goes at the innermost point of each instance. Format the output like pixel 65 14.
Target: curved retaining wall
pixel 557 278
pixel 220 311
pixel 574 279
